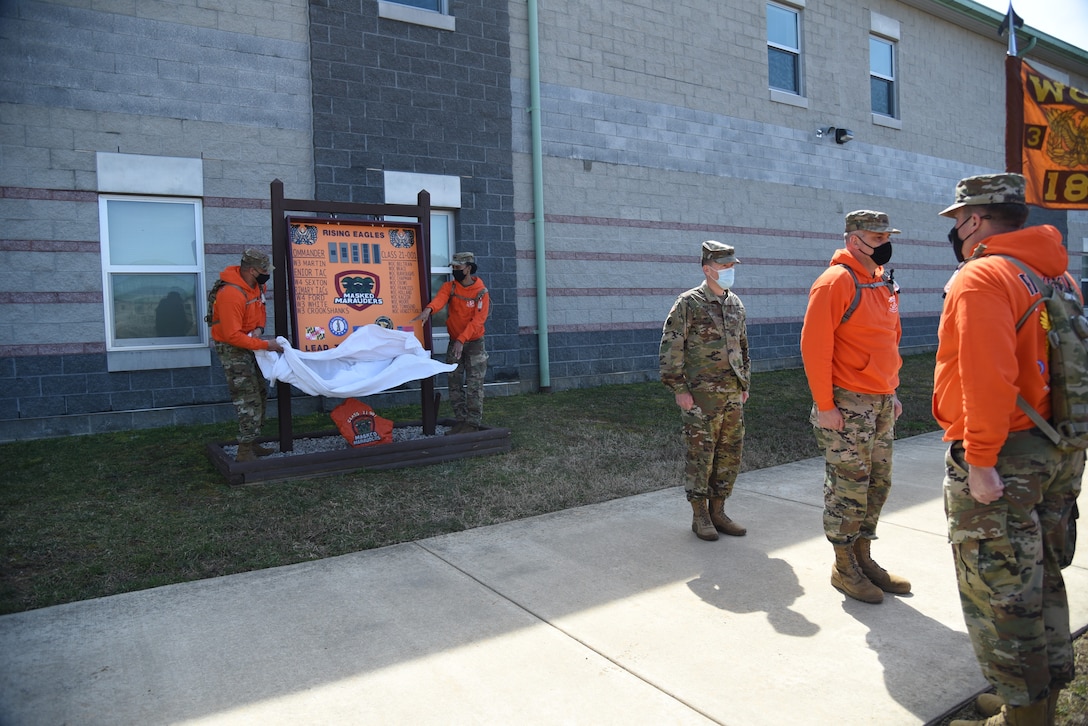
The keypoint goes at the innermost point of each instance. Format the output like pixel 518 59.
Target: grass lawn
pixel 88 516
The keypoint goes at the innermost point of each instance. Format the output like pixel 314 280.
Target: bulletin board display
pixel 347 274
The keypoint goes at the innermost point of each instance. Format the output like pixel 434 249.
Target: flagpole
pixel 1014 97
pixel 1010 19
pixel 1009 25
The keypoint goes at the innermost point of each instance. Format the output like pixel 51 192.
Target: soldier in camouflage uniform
pixel 237 321
pixel 469 304
pixel 704 362
pixel 1009 492
pixel 850 349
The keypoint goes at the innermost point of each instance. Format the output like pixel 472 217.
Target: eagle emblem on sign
pixel 401 238
pixel 303 234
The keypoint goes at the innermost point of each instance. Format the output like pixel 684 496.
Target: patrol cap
pixel 256 259
pixel 464 258
pixel 714 251
pixel 987 189
pixel 866 220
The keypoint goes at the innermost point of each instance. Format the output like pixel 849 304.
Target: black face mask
pixel 263 278
pixel 882 254
pixel 459 275
pixel 879 255
pixel 956 242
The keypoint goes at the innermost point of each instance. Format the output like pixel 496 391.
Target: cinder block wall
pixel 660 131
pixel 229 85
pixel 392 96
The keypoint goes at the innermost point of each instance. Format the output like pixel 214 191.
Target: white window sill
pixel 152 360
pixel 788 98
pixel 887 121
pixel 416 16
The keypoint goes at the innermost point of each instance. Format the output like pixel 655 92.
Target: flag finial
pixel 1009 25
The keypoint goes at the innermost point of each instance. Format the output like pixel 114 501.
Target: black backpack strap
pixel 214 293
pixel 858 285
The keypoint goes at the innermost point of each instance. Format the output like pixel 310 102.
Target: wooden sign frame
pixel 358 215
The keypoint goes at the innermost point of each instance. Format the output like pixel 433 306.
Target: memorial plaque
pixel 346 274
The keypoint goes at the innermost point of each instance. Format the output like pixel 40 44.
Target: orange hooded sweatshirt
pixel 468 311
pixel 860 355
pixel 982 361
pixel 238 312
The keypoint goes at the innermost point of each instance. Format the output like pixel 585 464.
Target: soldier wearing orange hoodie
pixel 850 349
pixel 1008 490
pixel 468 303
pixel 238 317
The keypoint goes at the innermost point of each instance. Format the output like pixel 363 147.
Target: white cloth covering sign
pixel 370 360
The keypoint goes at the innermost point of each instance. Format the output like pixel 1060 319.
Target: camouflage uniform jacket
pixel 704 340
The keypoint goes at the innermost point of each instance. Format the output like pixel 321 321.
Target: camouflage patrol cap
pixel 866 220
pixel 714 251
pixel 464 258
pixel 987 189
pixel 256 259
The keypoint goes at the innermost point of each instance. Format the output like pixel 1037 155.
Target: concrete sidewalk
pixel 607 614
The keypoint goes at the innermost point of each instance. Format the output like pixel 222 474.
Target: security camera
pixel 843 135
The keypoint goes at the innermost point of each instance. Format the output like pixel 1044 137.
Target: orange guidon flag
pixel 1055 141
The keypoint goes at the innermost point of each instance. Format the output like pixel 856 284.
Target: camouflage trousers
pixel 714 435
pixel 248 389
pixel 857 464
pixel 1007 564
pixel 466 383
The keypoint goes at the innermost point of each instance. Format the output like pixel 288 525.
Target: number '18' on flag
pixel 1046 137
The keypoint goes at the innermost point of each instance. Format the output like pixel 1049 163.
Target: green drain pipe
pixel 538 200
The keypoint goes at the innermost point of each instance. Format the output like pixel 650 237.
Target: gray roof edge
pixel 984 21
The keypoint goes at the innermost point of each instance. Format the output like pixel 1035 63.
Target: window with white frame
pixel 882 76
pixel 441 256
pixel 784 48
pixel 445 192
pixel 439 6
pixel 152 272
pixel 431 13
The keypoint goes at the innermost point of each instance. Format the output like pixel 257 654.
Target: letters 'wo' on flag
pixel 1047 138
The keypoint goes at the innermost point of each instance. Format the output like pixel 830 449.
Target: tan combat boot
pixel 877 574
pixel 263 450
pixel 723 523
pixel 700 521
pixel 245 453
pixel 989 704
pixel 848 578
pixel 1033 715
